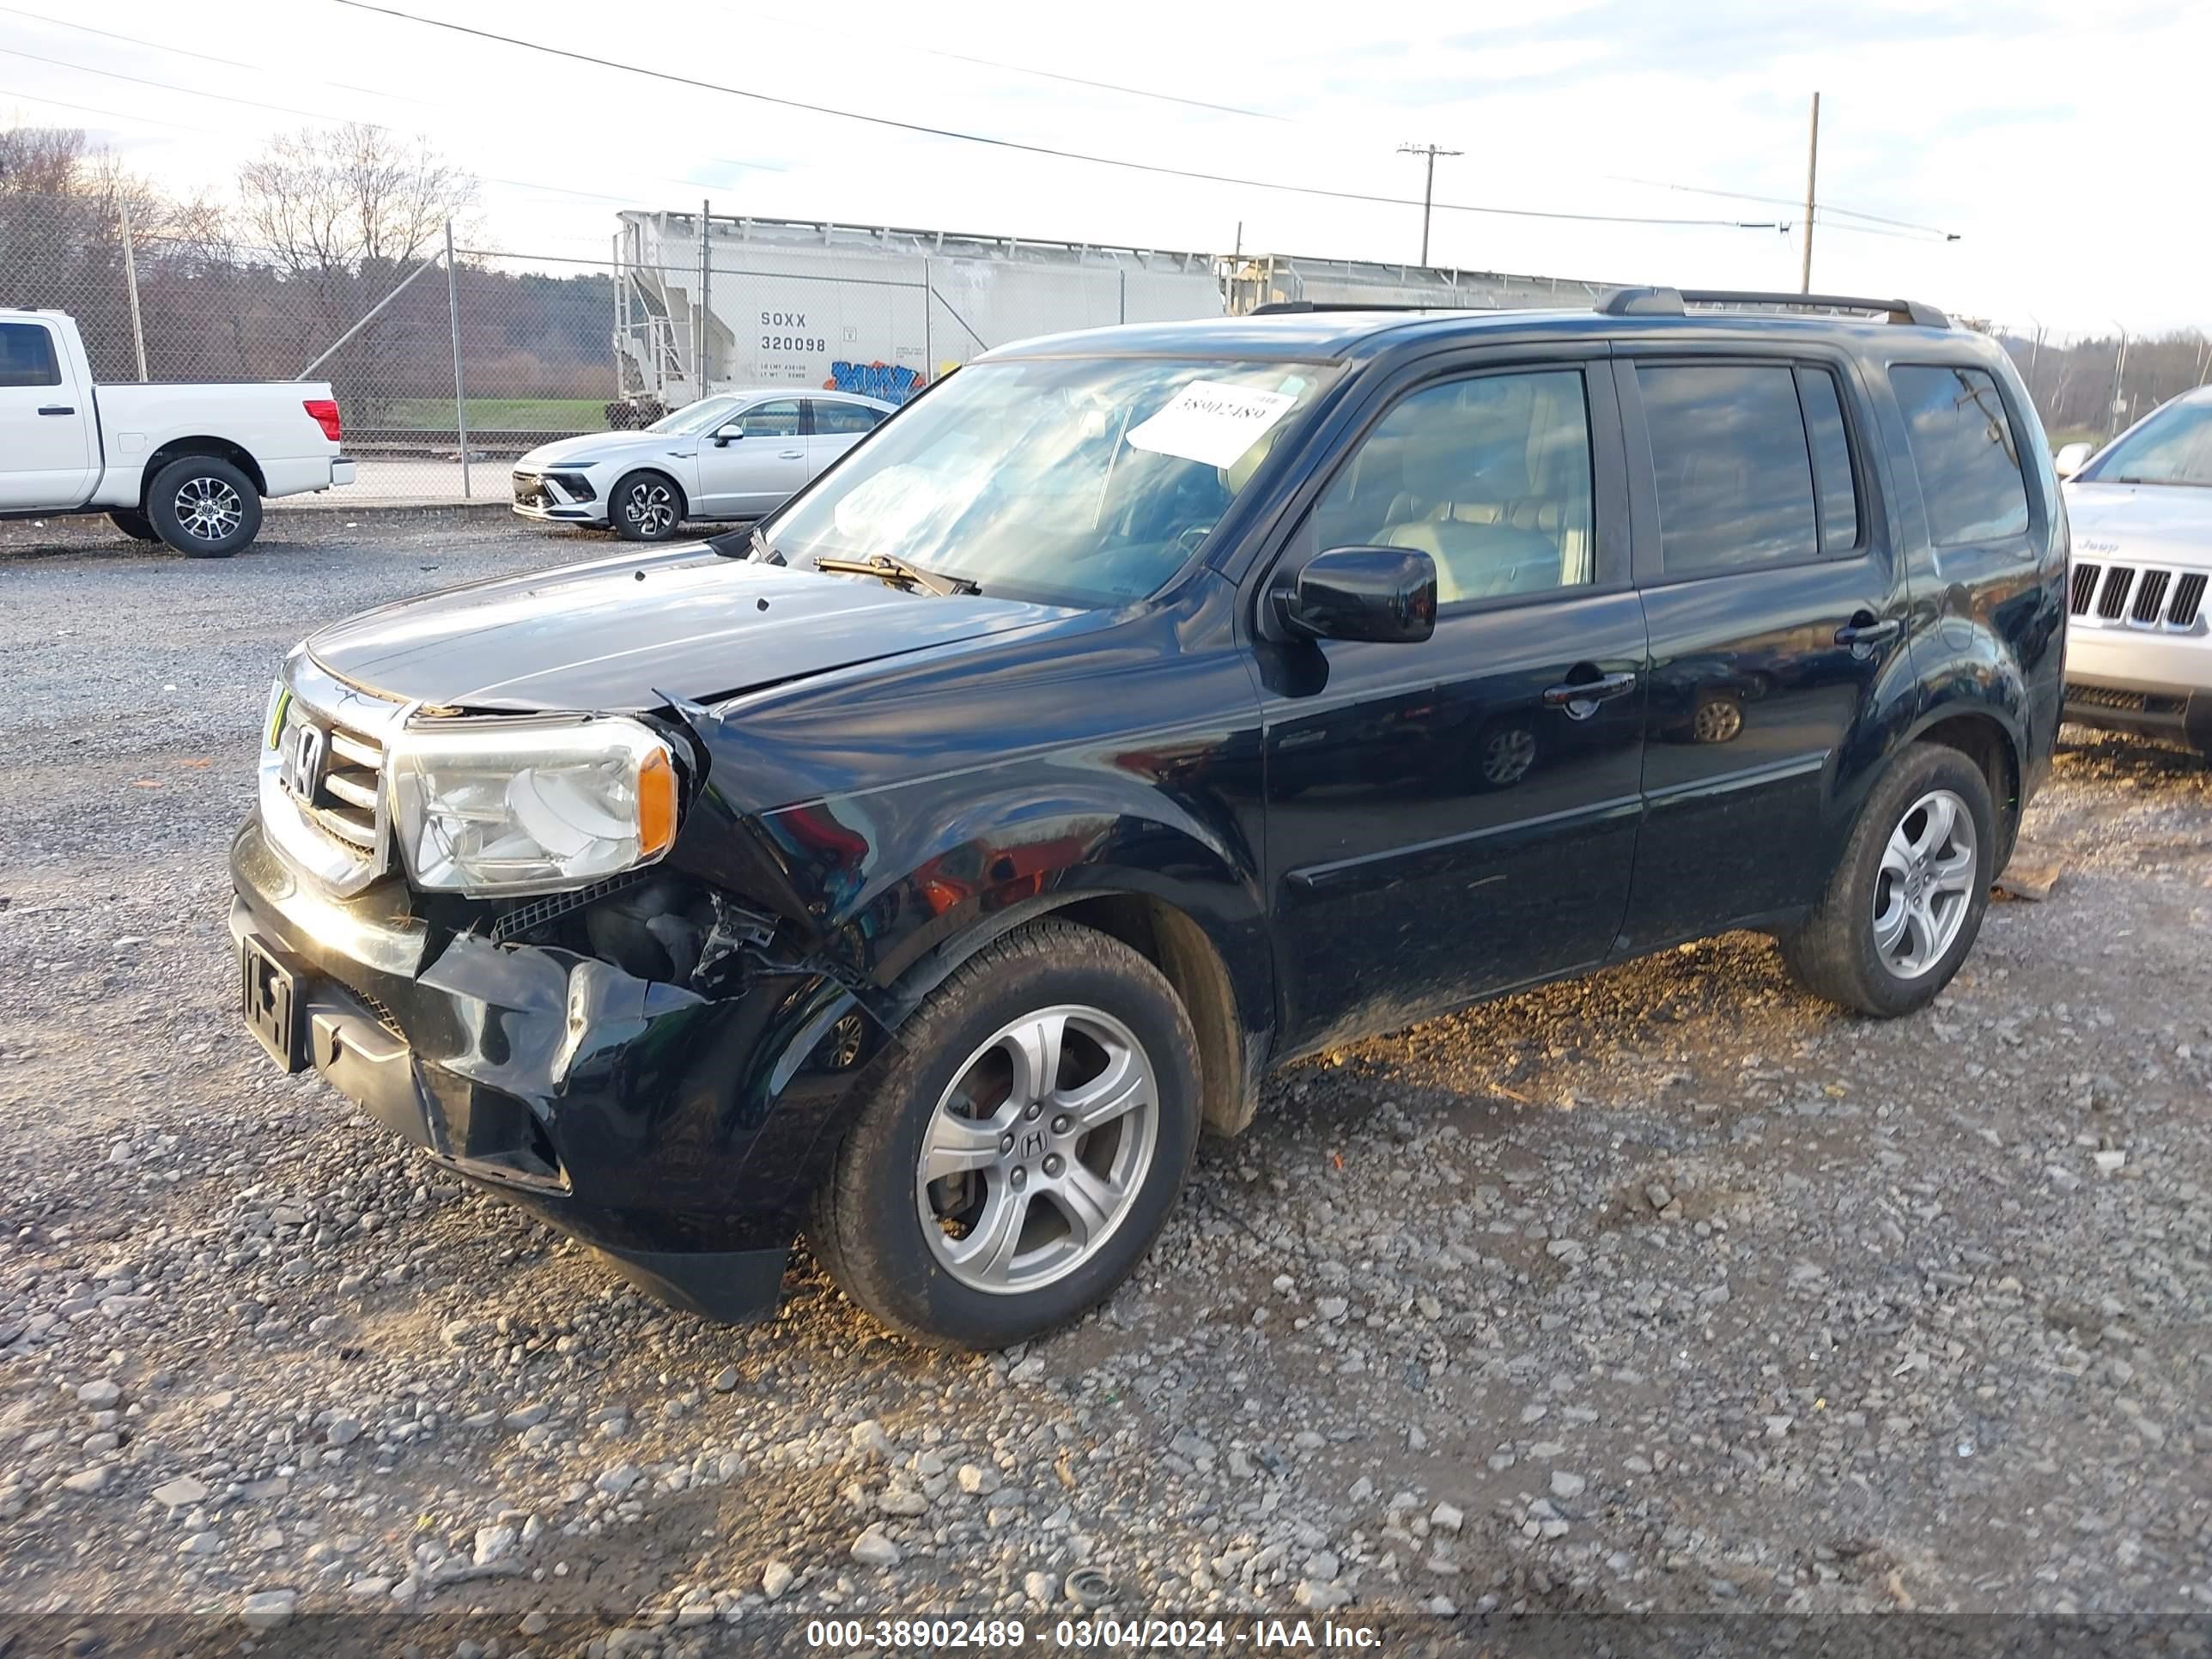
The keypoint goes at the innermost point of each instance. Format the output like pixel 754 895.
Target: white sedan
pixel 734 455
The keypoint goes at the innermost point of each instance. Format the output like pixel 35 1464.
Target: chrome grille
pixel 2188 600
pixel 321 780
pixel 2136 596
pixel 2150 596
pixel 2085 587
pixel 2114 599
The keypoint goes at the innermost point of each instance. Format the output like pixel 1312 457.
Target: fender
pixel 903 916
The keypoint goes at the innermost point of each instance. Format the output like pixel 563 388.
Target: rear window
pixel 841 418
pixel 1734 474
pixel 27 356
pixel 1965 451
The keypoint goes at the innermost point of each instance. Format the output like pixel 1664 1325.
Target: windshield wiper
pixel 890 567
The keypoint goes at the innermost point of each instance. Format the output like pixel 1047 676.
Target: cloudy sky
pixel 2061 143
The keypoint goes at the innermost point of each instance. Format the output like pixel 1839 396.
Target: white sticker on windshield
pixel 1212 422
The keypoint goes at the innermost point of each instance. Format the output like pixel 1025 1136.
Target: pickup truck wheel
pixel 204 508
pixel 646 506
pixel 1021 1156
pixel 1905 902
pixel 134 523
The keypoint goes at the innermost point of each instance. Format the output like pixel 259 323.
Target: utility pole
pixel 1812 173
pixel 1428 185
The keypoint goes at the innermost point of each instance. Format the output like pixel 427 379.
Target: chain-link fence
pixel 446 371
pixel 2092 386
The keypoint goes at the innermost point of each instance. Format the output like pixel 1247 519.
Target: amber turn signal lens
pixel 656 805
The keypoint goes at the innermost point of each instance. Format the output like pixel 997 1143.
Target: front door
pixel 1777 611
pixel 758 467
pixel 1449 818
pixel 46 427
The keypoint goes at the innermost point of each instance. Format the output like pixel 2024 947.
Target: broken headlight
pixel 529 806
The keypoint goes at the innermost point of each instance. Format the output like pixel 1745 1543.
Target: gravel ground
pixel 1666 1291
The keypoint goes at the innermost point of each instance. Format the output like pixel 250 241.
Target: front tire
pixel 646 506
pixel 134 523
pixel 1905 903
pixel 204 508
pixel 1019 1159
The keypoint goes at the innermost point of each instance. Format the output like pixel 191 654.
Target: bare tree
pixel 328 200
pixel 341 212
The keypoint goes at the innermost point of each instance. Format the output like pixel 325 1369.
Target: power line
pixel 1016 145
pixel 1779 201
pixel 1105 86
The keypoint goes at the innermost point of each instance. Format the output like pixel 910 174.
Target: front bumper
pixel 541 496
pixel 679 1134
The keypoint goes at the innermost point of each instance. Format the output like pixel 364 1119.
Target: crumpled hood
pixel 609 446
pixel 2160 524
pixel 627 633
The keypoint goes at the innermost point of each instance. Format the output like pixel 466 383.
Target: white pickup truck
pixel 186 465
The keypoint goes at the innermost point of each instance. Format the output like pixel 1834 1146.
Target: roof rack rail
pixel 1285 307
pixel 1673 302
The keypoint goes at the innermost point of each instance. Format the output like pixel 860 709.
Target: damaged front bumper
pixel 681 1134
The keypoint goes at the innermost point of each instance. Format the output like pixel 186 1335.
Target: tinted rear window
pixel 27 356
pixel 1831 460
pixel 1729 459
pixel 1966 453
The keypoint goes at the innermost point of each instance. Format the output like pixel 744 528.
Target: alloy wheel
pixel 650 508
pixel 1035 1152
pixel 1924 888
pixel 208 508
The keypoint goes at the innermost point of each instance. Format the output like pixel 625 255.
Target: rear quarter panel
pixel 269 421
pixel 1988 632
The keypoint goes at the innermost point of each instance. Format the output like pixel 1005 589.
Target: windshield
pixel 697 418
pixel 2175 447
pixel 1087 481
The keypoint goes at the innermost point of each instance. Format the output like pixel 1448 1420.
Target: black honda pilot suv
pixel 1135 712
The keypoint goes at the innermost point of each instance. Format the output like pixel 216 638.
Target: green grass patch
pixel 492 414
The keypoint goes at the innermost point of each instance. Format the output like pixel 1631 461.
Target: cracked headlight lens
pixel 504 805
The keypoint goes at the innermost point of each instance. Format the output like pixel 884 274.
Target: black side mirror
pixel 1387 595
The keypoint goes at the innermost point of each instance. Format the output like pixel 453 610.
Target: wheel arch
pixel 1995 749
pixel 1234 1027
pixel 179 449
pixel 683 496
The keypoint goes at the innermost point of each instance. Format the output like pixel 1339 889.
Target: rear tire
pixel 646 506
pixel 204 508
pixel 1087 1163
pixel 134 523
pixel 1905 903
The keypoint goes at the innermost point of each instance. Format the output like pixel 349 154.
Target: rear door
pixel 46 455
pixel 758 468
pixel 1777 609
pixel 836 427
pixel 1447 819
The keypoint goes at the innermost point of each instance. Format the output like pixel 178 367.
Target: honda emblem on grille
pixel 303 760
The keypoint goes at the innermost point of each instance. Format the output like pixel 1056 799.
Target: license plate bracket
pixel 269 996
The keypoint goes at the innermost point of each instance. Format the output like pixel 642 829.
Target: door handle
pixel 790 454
pixel 1581 700
pixel 58 409
pixel 1870 632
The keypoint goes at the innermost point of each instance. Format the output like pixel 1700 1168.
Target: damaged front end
pixel 650 1061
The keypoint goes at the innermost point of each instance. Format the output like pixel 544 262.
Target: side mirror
pixel 1386 595
pixel 728 434
pixel 2071 458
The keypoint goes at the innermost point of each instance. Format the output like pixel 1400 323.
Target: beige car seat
pixel 1458 515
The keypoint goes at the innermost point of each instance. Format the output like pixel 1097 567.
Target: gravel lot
pixel 1666 1291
